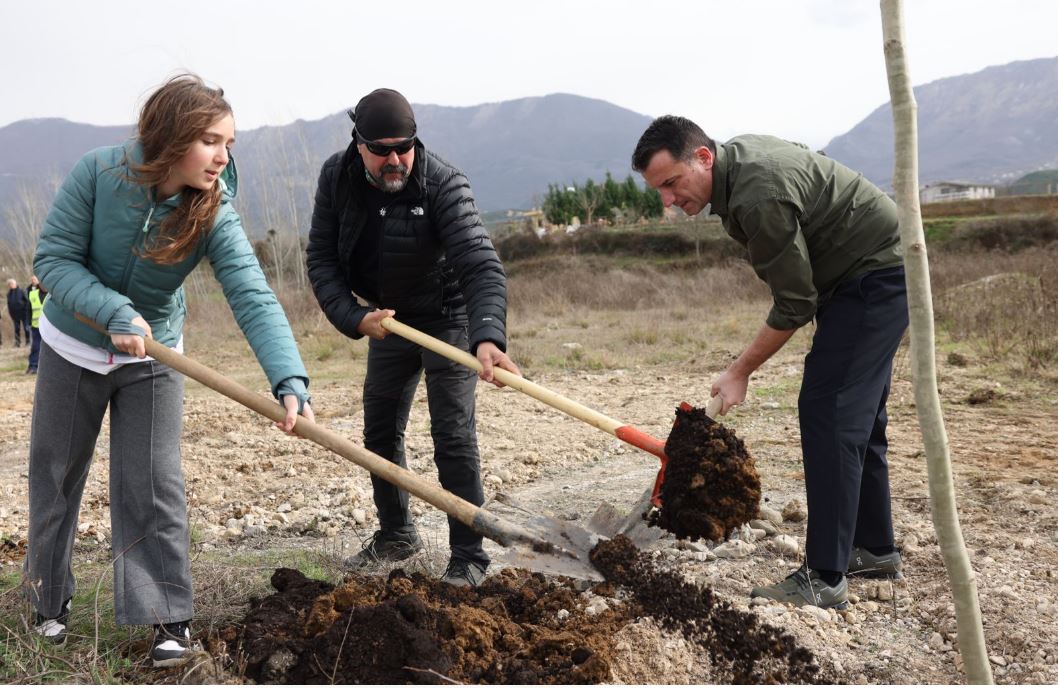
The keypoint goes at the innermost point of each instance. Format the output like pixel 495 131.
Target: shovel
pixel 548 547
pixel 622 431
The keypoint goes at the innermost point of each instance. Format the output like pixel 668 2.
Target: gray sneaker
pixel 463 573
pixel 804 586
pixel 863 563
pixel 384 548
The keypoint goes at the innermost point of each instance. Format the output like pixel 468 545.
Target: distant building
pixel 939 192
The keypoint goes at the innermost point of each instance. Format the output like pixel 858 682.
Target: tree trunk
pixel 920 306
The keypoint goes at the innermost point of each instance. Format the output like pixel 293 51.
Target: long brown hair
pixel 172 119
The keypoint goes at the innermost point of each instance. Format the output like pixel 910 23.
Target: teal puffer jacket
pixel 87 260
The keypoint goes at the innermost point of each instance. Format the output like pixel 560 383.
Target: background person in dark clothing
pixel 398 226
pixel 16 308
pixel 827 243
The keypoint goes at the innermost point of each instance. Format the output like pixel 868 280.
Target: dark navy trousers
pixel 394 367
pixel 842 417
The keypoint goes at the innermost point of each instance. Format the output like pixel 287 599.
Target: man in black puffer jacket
pixel 398 227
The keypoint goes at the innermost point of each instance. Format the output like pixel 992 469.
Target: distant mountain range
pixel 992 126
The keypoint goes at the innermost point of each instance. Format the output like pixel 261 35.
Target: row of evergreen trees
pixel 612 201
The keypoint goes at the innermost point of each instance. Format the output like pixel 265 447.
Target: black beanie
pixel 383 114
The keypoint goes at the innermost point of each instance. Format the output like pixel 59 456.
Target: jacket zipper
pixel 140 240
pixel 384 212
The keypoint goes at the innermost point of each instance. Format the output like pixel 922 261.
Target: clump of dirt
pixel 711 482
pixel 516 628
pixel 737 643
pixel 983 396
pixel 12 551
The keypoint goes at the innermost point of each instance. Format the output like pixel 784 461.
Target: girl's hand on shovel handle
pixel 290 403
pixel 132 344
pixel 490 356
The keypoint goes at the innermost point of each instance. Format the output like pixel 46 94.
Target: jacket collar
pixel 721 192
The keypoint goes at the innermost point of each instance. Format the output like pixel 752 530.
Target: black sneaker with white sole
pixel 54 629
pixel 172 644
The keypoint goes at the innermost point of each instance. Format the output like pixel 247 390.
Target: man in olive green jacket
pixel 826 242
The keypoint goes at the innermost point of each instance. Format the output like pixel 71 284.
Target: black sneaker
pixel 172 644
pixel 54 628
pixel 384 548
pixel 863 563
pixel 804 586
pixel 463 573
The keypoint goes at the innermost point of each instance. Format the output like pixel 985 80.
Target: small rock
pixel 758 534
pixel 284 507
pixel 563 614
pixel 761 524
pixel 769 404
pixel 504 475
pixel 769 514
pixel 794 511
pixel 255 531
pixel 232 533
pixel 696 546
pixel 818 613
pixel 493 480
pixel 998 660
pixel 703 556
pixel 936 641
pixel 279 663
pixel 734 549
pixel 597 606
pixel 291 472
pixel 571 345
pixel 359 516
pixel 786 545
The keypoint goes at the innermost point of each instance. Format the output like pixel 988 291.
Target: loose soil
pixel 711 483
pixel 515 628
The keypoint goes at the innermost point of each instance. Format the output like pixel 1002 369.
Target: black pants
pixel 843 419
pixel 394 366
pixel 21 328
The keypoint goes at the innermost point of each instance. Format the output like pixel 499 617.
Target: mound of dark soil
pixel 416 629
pixel 739 646
pixel 711 482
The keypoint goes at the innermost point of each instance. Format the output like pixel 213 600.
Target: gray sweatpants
pixel 148 508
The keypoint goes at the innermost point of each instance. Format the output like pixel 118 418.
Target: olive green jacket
pixel 808 222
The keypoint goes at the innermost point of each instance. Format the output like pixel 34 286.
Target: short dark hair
pixel 678 135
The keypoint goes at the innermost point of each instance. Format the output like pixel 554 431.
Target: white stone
pixel 762 524
pixel 563 614
pixel 786 545
pixel 734 549
pixel 596 606
pixel 493 480
pixel 998 660
pixel 359 516
pixel 936 641
pixel 769 514
pixel 284 507
pixel 504 475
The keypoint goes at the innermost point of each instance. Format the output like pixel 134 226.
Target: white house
pixel 938 192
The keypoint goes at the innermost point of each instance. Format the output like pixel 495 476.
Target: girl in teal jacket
pixel 127 227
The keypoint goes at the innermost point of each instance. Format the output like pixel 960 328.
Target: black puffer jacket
pixel 437 259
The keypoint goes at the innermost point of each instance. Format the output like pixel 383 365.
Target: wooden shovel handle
pixel 616 428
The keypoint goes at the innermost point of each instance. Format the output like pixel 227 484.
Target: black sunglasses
pixel 384 149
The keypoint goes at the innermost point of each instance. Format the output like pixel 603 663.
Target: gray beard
pixel 388 186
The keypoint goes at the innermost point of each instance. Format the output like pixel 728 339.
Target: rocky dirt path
pixel 252 488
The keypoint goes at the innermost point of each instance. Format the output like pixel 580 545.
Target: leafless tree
pixel 923 353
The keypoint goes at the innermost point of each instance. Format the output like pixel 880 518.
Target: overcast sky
pixel 803 69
